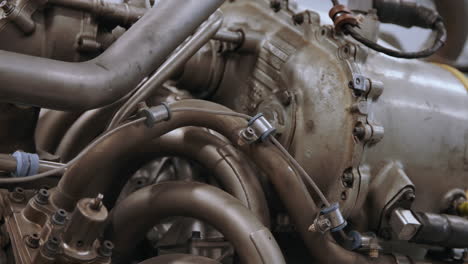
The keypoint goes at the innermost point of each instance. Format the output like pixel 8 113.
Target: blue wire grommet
pixel 27 164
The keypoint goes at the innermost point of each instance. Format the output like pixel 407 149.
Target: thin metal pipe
pixel 253 242
pixel 8 163
pixel 300 206
pixel 122 14
pixel 229 36
pixel 179 259
pixel 227 164
pixel 176 61
pixel 82 86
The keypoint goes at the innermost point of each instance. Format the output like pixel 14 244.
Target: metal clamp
pixel 329 219
pixel 259 128
pixel 156 114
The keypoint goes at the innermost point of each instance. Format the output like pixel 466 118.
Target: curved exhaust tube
pixel 103 80
pixel 228 165
pixel 179 259
pixel 292 191
pixel 51 127
pixel 143 209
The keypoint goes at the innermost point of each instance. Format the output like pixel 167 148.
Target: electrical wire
pixel 305 175
pixel 213 112
pixel 140 120
pixel 438 43
pixel 71 162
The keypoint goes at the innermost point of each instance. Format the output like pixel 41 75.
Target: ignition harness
pixel 258 129
pixel 423 17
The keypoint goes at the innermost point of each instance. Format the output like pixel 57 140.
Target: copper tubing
pixel 108 158
pixel 81 86
pixel 179 259
pixel 143 209
pixel 51 127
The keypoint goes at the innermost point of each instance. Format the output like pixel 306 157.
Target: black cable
pixel 441 37
pixel 335 2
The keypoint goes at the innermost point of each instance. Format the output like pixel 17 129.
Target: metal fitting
pixel 330 218
pixel 42 196
pixel 342 16
pixel 32 241
pixel 96 203
pixel 18 195
pixel 59 217
pixel 156 114
pixel 105 249
pixel 6 7
pixel 359 84
pixel 51 247
pixel 404 224
pixel 258 129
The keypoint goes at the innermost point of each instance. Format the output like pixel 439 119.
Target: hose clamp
pixel 329 219
pixel 259 128
pixel 156 114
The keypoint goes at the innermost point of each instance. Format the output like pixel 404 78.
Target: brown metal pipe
pixel 78 182
pixel 86 128
pixel 227 164
pixel 179 259
pixel 101 81
pixel 143 209
pixel 51 127
pixel 121 14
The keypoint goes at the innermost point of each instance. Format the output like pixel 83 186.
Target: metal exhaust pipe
pixel 103 80
pixel 143 209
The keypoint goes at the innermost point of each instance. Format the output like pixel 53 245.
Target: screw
pixel 96 204
pixel 32 241
pixel 286 98
pixel 298 19
pixel 6 7
pixel 59 217
pixel 18 195
pixel 275 5
pixel 106 248
pixel 42 197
